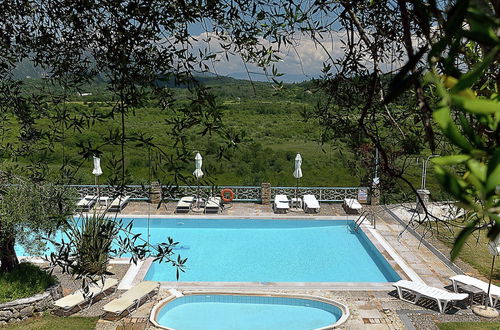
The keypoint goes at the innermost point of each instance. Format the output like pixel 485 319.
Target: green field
pixel 270 122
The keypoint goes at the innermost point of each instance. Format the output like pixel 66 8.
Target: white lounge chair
pixel 494 296
pixel 86 203
pixel 77 300
pixel 281 204
pixel 184 205
pixel 442 297
pixel 213 205
pixel 310 204
pixel 119 203
pixel 352 206
pixel 131 299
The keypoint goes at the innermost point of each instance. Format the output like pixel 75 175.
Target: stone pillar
pixel 155 193
pixel 266 193
pixel 375 195
pixel 424 196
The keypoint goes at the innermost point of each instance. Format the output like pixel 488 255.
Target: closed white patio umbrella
pixel 97 171
pixel 198 174
pixel 297 174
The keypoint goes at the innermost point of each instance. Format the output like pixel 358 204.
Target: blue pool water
pixel 216 312
pixel 250 250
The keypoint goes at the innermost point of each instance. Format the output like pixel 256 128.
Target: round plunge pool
pixel 215 311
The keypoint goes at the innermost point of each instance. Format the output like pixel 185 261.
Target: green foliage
pixel 92 237
pixel 24 281
pixel 472 175
pixel 33 211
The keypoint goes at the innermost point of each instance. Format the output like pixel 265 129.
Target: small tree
pixel 28 213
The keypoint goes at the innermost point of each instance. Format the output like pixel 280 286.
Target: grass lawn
pixel 476 254
pixel 24 281
pixel 469 326
pixel 50 322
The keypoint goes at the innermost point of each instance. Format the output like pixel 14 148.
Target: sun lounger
pixel 131 300
pixel 351 205
pixel 119 203
pixel 213 205
pixel 86 203
pixel 494 296
pixel 77 300
pixel 442 297
pixel 184 205
pixel 310 204
pixel 281 204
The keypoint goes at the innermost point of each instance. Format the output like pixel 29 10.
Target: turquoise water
pixel 250 250
pixel 217 312
pixel 246 250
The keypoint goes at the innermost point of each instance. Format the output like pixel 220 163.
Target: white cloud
pixel 302 61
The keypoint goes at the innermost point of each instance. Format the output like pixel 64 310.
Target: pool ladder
pixel 362 217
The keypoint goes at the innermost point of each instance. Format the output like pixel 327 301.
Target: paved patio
pixel 370 309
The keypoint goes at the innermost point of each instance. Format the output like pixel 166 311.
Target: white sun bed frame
pixel 311 204
pixel 131 300
pixel 86 203
pixel 119 203
pixel 213 205
pixel 78 300
pixel 351 205
pixel 494 296
pixel 184 204
pixel 442 297
pixel 281 204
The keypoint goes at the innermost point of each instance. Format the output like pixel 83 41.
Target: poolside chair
pixel 281 204
pixel 130 300
pixel 119 203
pixel 213 205
pixel 310 204
pixel 442 297
pixel 351 206
pixel 78 300
pixel 459 280
pixel 184 204
pixel 86 203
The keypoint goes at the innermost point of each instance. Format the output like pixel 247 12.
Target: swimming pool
pixel 246 312
pixel 263 250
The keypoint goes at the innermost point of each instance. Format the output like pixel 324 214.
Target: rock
pixel 5 315
pixel 27 311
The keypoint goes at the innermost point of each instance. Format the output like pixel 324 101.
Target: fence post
pixel 265 193
pixel 155 192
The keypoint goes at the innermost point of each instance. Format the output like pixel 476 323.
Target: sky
pixel 302 62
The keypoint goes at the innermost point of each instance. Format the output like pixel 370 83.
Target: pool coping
pixel 176 294
pixel 137 272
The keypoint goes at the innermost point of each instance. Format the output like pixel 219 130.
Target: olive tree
pixel 30 213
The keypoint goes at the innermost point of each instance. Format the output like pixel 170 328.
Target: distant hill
pixel 27 70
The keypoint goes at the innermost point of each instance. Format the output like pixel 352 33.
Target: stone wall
pixel 21 309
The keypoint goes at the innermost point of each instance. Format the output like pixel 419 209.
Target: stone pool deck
pixel 370 308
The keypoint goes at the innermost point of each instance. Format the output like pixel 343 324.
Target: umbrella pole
pixel 97 185
pixel 491 275
pixel 296 195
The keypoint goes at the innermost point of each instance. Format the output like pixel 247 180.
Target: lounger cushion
pixel 79 297
pixel 352 203
pixel 130 297
pixel 310 202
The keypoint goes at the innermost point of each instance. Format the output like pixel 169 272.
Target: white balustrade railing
pixel 242 193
